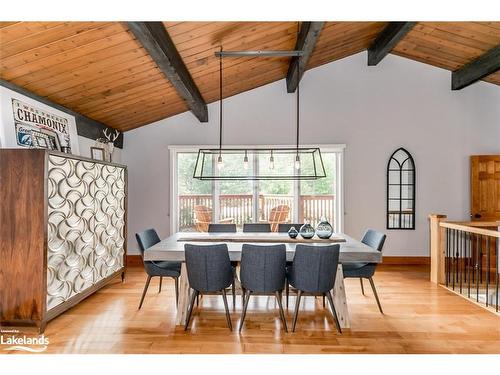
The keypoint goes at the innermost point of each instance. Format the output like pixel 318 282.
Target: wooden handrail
pixel 490 224
pixel 469 229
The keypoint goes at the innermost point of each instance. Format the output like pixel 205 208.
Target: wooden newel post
pixel 437 243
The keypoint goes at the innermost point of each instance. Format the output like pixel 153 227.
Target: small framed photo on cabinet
pixel 97 153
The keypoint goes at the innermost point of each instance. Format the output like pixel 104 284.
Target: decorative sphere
pixel 307 231
pixel 293 233
pixel 324 229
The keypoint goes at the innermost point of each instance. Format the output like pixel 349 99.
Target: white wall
pixel 373 110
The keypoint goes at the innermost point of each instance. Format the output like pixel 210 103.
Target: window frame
pixel 338 149
pixel 413 170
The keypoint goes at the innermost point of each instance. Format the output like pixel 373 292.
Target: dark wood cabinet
pixel 62 232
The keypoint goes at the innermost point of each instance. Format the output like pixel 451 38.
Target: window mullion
pixel 255 187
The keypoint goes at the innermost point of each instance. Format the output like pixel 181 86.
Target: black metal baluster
pixel 469 257
pixel 460 258
pixel 488 269
pixel 477 267
pixel 464 260
pixel 453 259
pixel 447 258
pixel 497 271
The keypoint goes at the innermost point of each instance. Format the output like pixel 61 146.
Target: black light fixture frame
pixel 207 156
pixel 204 154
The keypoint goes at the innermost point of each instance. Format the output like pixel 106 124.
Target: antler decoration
pixel 111 137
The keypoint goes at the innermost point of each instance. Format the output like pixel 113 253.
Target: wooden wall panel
pixel 22 238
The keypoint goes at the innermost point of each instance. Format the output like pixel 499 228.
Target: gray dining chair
pixel 263 272
pixel 225 228
pixel 285 227
pixel 221 228
pixel 257 228
pixel 146 239
pixel 313 272
pixel 376 241
pixel 209 271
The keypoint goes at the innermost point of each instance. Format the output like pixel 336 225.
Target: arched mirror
pixel 401 190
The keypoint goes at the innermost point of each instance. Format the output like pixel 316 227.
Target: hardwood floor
pixel 420 317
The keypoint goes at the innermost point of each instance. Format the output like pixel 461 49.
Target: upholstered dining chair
pixel 209 271
pixel 285 227
pixel 313 272
pixel 263 272
pixel 145 240
pixel 226 228
pixel 221 228
pixel 257 228
pixel 362 271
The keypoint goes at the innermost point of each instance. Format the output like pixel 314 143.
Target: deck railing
pixel 239 207
pixel 465 259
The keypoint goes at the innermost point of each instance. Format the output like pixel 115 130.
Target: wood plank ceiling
pixel 100 70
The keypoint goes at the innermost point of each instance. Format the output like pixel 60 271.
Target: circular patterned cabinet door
pixel 86 222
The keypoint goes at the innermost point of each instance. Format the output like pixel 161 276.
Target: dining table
pixel 172 249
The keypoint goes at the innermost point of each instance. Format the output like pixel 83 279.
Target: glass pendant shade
pixel 280 165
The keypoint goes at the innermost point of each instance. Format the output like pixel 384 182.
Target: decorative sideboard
pixel 62 232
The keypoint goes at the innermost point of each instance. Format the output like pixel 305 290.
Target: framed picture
pixel 97 153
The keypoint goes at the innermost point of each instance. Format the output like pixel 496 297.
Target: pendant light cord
pixel 298 89
pixel 220 101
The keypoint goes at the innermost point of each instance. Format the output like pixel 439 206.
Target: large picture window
pixel 195 204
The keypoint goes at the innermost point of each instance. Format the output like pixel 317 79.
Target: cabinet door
pixel 108 192
pixel 86 225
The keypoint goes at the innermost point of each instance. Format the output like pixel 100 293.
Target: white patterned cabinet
pixel 85 230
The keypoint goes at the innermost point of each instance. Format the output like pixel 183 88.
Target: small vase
pixel 324 229
pixel 292 233
pixel 307 231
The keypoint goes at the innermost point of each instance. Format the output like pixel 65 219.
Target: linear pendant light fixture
pixel 279 163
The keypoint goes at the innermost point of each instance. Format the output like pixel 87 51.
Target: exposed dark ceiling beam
pixel 387 40
pixel 308 35
pixel 479 68
pixel 155 39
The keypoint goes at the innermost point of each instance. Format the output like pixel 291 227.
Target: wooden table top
pixel 172 248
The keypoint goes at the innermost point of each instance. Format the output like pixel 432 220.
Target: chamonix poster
pixel 28 123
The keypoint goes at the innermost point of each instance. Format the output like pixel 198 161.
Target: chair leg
pixel 296 314
pixel 376 295
pixel 190 308
pixel 282 313
pixel 159 288
pixel 323 301
pixel 245 305
pixel 243 291
pixel 144 291
pixel 233 289
pixel 228 317
pixel 362 286
pixel 287 291
pixel 334 312
pixel 197 301
pixel 176 290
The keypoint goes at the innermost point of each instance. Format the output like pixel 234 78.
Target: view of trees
pixel 234 165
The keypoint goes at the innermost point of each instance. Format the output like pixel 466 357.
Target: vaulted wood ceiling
pixel 100 70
